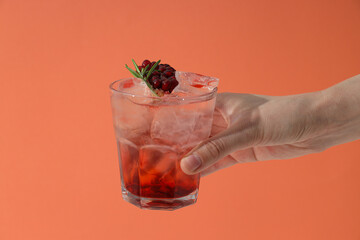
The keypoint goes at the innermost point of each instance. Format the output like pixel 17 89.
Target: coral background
pixel 59 176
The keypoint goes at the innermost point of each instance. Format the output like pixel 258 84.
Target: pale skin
pixel 249 128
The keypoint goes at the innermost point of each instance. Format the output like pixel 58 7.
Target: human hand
pixel 248 128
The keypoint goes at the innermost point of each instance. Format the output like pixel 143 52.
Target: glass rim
pixel 206 96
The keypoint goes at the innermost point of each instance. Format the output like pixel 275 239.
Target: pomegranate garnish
pixel 160 78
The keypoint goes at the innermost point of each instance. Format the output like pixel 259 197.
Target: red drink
pixel 154 134
pixel 155 173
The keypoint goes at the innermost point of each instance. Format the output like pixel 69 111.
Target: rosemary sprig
pixel 135 74
pixel 152 69
pixel 136 66
pixel 144 74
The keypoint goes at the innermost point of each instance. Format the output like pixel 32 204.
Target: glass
pixel 153 134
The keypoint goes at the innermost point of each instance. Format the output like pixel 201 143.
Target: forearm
pixel 340 111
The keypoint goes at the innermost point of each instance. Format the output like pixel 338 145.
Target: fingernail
pixel 191 163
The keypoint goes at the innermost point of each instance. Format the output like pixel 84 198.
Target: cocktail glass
pixel 154 133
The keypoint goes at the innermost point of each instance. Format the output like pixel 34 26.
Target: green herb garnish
pixel 144 74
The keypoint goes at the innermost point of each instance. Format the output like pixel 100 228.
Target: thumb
pixel 219 146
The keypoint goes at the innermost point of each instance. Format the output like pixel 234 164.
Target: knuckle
pixel 215 148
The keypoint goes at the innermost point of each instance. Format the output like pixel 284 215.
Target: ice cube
pixel 173 125
pixel 157 159
pixel 181 125
pixel 136 90
pixel 134 86
pixel 195 84
pixel 131 112
pixel 131 120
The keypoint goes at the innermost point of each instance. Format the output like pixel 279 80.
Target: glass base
pixel 168 204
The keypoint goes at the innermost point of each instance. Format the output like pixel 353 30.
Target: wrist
pixel 337 110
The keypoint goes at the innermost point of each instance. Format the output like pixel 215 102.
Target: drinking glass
pixel 154 133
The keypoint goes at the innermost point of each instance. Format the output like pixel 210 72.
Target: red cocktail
pixel 154 133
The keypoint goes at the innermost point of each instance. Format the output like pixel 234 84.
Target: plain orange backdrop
pixel 59 176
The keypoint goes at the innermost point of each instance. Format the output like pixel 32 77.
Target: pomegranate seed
pixel 153 78
pixel 166 85
pixel 155 73
pixel 145 63
pixel 157 83
pixel 168 73
pixel 170 69
pixel 197 85
pixel 128 84
pixel 163 77
pixel 173 85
